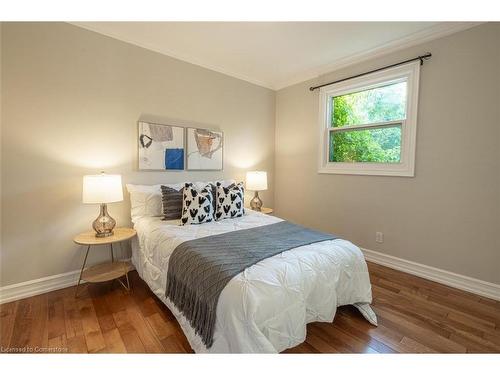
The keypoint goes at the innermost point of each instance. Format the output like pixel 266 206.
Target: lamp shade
pixel 102 188
pixel 256 181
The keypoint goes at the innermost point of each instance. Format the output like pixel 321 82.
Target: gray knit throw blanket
pixel 198 270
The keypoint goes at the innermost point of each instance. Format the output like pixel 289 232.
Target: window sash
pixel 358 89
pixel 355 88
pixel 375 125
pixel 379 125
pixel 406 168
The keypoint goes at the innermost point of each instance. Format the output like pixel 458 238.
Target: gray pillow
pixel 172 202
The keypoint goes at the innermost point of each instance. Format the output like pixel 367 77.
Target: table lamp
pixel 102 189
pixel 256 181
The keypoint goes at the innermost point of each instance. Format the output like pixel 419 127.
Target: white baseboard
pixel 39 286
pixel 483 288
pixel 469 284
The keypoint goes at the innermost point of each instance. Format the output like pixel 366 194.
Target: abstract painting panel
pixel 204 149
pixel 161 147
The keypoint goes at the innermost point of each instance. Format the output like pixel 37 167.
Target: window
pixel 368 124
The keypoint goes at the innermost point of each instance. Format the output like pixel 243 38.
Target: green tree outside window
pixel 377 145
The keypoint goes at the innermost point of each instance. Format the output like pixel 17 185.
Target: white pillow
pixel 145 200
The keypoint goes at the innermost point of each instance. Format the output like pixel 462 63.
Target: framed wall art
pixel 204 150
pixel 161 147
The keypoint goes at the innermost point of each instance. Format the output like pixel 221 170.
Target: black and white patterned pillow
pixel 230 201
pixel 197 205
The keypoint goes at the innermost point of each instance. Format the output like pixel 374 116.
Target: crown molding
pixel 438 31
pixel 185 58
pixel 435 32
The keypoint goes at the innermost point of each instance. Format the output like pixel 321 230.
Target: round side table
pixel 104 271
pixel 265 210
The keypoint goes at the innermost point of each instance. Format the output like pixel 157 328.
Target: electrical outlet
pixel 379 237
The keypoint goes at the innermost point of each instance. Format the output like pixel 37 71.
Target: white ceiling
pixel 274 54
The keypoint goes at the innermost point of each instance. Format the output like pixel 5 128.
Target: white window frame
pixel 406 167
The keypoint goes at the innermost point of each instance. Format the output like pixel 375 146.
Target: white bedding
pixel 264 309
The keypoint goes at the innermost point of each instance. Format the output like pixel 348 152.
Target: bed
pixel 265 308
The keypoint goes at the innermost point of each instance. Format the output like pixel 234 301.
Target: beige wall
pixel 71 99
pixel 448 215
pixel 1 127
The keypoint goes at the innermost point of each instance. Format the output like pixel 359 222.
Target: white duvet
pixel 264 309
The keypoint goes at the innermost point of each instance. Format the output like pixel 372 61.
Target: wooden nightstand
pixel 104 271
pixel 266 210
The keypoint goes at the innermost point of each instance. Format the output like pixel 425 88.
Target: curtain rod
pixel 427 56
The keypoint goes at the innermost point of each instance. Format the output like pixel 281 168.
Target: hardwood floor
pixel 415 316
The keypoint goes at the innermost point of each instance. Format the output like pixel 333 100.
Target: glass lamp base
pixel 104 234
pixel 104 224
pixel 256 202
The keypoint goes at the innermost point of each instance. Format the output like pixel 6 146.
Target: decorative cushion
pixel 197 205
pixel 230 201
pixel 172 202
pixel 202 184
pixel 145 200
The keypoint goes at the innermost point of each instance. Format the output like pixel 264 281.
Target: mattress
pixel 265 308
